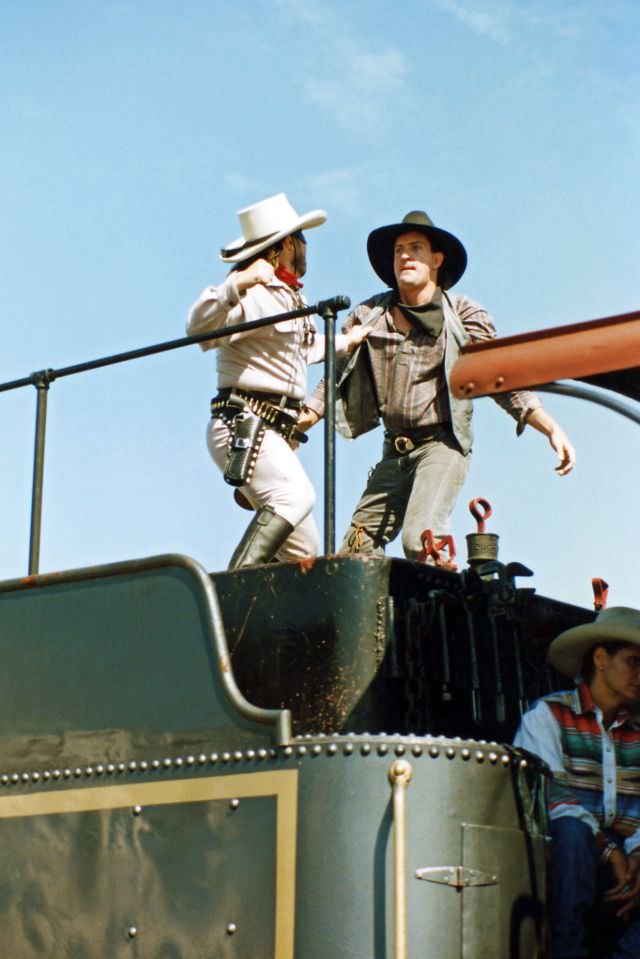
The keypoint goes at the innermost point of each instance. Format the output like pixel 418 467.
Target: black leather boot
pixel 263 537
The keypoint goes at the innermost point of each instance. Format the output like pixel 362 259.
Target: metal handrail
pixel 327 309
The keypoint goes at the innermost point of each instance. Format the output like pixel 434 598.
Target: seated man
pixel 591 743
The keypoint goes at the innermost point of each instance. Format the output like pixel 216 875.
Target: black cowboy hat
pixel 381 243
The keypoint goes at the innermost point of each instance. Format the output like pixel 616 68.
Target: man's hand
pixel 356 335
pixel 259 272
pixel 306 419
pixel 626 887
pixel 544 423
pixel 561 444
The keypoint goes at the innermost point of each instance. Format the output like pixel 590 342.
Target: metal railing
pixel 327 309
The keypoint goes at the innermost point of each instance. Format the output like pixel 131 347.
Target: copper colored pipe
pixel 531 359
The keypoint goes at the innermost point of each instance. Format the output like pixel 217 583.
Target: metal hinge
pixel 456 876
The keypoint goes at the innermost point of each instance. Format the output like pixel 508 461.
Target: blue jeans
pixel 578 881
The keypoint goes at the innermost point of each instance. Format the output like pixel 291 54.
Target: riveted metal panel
pixel 577 351
pixel 182 870
pixel 345 859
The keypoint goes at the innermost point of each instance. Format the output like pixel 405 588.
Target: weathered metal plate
pixel 79 864
pixel 152 871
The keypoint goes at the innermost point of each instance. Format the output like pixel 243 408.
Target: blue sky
pixel 131 134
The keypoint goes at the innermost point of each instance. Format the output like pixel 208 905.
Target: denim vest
pixel 357 408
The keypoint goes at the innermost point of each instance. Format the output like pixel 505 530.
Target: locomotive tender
pixel 296 760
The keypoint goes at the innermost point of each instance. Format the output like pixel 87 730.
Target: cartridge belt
pixel 280 401
pixel 400 442
pixel 279 413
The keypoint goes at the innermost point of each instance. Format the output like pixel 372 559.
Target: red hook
pixel 600 593
pixel 475 507
pixel 433 548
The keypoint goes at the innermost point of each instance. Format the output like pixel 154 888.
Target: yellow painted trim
pixel 282 784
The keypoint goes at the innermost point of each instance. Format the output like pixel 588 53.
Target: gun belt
pixel 280 420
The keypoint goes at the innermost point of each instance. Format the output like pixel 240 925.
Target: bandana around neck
pixel 429 316
pixel 289 278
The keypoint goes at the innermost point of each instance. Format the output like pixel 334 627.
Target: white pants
pixel 278 481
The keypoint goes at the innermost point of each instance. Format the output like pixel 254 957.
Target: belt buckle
pixel 403 444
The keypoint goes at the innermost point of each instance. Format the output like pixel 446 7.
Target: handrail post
pixel 41 382
pixel 400 775
pixel 327 311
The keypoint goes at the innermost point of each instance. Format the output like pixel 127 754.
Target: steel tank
pixel 148 810
pixel 419 847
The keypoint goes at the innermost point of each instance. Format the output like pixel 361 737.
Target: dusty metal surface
pixel 389 645
pixel 178 868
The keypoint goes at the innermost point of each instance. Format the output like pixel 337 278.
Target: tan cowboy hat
pixel 265 223
pixel 381 243
pixel 616 624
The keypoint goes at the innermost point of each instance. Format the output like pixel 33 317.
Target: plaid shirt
pixel 408 369
pixel 596 771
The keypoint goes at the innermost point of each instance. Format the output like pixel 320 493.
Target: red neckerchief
pixel 289 278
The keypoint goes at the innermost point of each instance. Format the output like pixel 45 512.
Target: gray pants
pixel 412 492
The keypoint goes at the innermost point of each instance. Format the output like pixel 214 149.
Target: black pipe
pixel 42 379
pixel 174 344
pixel 476 704
pixel 41 382
pixel 329 316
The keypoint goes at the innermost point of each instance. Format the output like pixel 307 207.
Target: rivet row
pixel 303 748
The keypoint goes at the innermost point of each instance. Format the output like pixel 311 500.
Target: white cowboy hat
pixel 616 624
pixel 265 223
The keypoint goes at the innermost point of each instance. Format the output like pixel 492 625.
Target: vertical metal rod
pixel 329 316
pixel 400 776
pixel 501 714
pixel 41 383
pixel 476 706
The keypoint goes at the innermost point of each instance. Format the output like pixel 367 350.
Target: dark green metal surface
pixel 345 854
pixel 168 883
pixel 115 662
pixel 117 680
pixel 197 880
pixel 353 645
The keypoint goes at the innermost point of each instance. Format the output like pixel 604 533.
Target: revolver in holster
pixel 247 431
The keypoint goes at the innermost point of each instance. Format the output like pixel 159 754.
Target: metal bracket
pixel 42 378
pixel 457 876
